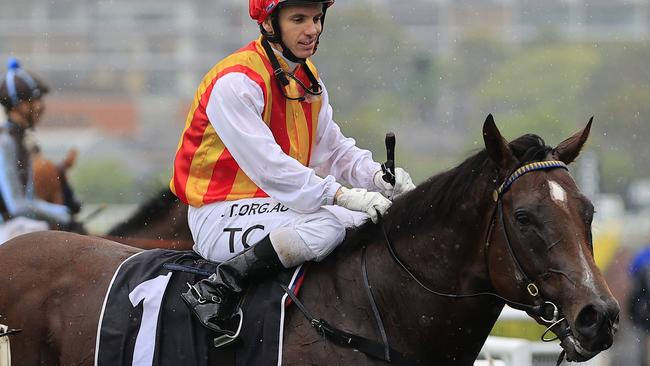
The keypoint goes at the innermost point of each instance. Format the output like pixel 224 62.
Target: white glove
pixel 359 199
pixel 403 183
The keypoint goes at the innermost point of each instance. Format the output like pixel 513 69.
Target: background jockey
pixel 259 160
pixel 638 301
pixel 21 96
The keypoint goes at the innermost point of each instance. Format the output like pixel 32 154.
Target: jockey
pixel 259 160
pixel 21 96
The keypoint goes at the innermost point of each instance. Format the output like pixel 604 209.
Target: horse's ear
pixel 567 151
pixel 495 145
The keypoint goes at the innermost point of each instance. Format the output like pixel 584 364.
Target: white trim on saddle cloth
pixel 101 314
pixel 298 274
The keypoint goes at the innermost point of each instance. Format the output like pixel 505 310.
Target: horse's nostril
pixel 596 325
pixel 588 317
pixel 589 321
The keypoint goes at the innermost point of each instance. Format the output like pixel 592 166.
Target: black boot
pixel 214 299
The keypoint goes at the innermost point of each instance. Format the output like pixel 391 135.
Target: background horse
pixel 160 222
pixel 457 254
pixel 50 179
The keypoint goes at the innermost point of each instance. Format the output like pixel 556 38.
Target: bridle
pixel 497 196
pixel 538 309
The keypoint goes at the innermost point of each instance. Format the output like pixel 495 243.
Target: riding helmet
pixel 18 85
pixel 259 10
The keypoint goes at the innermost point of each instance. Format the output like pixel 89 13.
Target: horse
pixel 50 179
pixel 51 185
pixel 160 222
pixel 506 226
pixel 47 177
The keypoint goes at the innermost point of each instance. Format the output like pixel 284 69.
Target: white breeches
pixel 224 229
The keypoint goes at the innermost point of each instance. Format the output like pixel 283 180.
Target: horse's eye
pixel 522 218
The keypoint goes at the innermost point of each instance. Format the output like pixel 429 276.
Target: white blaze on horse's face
pixel 558 194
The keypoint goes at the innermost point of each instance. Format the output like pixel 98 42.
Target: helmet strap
pixel 286 52
pixel 322 27
pixel 281 77
pixel 277 69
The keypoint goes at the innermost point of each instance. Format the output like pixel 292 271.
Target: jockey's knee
pixel 311 238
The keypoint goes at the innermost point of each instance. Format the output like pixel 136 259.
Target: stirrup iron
pixel 226 338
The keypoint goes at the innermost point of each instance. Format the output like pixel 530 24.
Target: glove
pixel 403 183
pixel 358 199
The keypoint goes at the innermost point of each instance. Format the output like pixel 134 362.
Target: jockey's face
pixel 28 113
pixel 301 26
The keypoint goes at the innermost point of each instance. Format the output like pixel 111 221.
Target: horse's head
pixel 540 246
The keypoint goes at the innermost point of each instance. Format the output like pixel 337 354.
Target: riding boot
pixel 214 300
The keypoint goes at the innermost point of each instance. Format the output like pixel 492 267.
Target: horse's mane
pixel 439 196
pixel 156 207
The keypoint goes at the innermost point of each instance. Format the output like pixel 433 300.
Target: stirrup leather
pixel 200 298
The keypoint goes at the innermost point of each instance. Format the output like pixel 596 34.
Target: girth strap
pixel 9 332
pixel 342 338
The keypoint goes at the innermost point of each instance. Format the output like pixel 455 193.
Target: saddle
pixel 144 320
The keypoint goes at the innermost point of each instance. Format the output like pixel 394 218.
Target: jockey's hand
pixel 403 183
pixel 358 199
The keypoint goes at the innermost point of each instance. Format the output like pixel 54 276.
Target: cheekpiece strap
pixel 539 165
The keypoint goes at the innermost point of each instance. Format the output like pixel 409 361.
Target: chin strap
pixel 281 76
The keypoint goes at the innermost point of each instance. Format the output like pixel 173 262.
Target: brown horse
pixel 51 185
pixel 50 179
pixel 160 222
pixel 446 259
pixel 47 176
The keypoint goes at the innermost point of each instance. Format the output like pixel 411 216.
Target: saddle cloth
pixel 144 321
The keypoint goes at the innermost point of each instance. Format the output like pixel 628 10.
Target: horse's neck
pixel 436 330
pixel 449 252
pixel 430 329
pixel 449 258
pixel 456 265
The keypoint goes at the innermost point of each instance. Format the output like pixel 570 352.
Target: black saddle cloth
pixel 145 322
